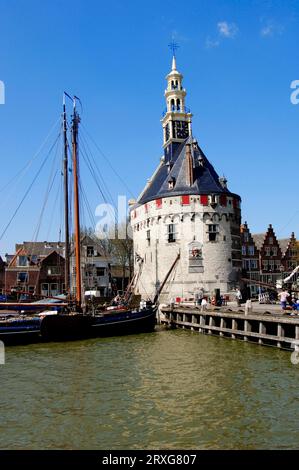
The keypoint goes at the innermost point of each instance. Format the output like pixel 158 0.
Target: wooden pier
pixel 281 331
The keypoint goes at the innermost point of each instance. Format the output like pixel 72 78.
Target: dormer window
pixel 171 183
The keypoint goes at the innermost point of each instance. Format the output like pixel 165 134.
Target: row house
pixel 267 259
pixel 95 268
pixel 37 268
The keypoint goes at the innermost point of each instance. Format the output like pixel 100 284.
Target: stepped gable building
pixel 186 209
pixel 290 258
pixel 250 258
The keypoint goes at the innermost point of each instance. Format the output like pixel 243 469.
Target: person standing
pixel 283 299
pixel 238 297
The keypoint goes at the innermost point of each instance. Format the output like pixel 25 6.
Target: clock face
pixel 180 129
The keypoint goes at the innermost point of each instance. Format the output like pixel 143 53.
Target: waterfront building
pixel 37 268
pixel 95 268
pixel 250 259
pixel 267 259
pixel 290 258
pixel 186 209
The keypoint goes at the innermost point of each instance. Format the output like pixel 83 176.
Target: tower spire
pixel 176 120
pixel 173 67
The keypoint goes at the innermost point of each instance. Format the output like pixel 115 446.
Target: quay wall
pixel 270 330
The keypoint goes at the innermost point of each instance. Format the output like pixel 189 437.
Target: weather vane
pixel 173 46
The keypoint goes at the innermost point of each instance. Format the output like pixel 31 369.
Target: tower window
pixel 148 237
pixel 212 231
pixel 171 235
pixel 178 105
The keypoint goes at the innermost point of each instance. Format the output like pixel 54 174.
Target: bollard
pixel 248 307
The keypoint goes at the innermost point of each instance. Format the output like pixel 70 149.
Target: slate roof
pixel 206 180
pixel 40 249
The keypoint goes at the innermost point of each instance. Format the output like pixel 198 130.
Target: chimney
pixel 189 166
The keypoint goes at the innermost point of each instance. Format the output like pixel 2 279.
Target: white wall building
pixel 185 208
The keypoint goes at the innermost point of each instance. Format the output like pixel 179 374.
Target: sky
pixel 238 59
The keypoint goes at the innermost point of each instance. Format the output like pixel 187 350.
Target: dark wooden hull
pixel 20 331
pixel 63 327
pixel 78 326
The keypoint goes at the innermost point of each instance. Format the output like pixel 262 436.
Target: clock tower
pixel 176 120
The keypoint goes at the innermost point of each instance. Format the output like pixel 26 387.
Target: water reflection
pixel 167 390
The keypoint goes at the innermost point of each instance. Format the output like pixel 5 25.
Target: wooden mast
pixel 66 203
pixel 75 126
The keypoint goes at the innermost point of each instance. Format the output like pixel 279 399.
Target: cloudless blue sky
pixel 238 59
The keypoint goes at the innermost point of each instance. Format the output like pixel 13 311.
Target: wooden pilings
pixel 272 330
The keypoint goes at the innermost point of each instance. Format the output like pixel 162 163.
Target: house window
pixel 54 289
pixel 270 240
pixel 271 264
pixel 246 237
pixel 267 250
pixel 243 250
pixel 23 261
pixel 291 265
pixel 22 277
pixel 265 265
pixel 45 289
pixel 171 233
pixel 274 251
pixel 90 251
pixel 100 272
pixel 251 250
pixel 53 270
pixel 253 263
pixel 213 230
pixel 31 289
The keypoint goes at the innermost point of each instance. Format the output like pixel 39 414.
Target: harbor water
pixel 163 390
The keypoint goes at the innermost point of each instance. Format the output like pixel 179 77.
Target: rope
pixel 26 193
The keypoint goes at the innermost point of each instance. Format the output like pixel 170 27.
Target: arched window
pixel 172 105
pixel 178 104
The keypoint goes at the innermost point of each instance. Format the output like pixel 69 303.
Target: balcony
pixel 177 109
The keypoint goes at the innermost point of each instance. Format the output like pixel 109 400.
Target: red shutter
pixel 185 200
pixel 204 199
pixel 223 200
pixel 158 203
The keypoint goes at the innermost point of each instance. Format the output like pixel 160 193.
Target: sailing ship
pixel 72 319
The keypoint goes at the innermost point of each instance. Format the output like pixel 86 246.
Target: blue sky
pixel 238 59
